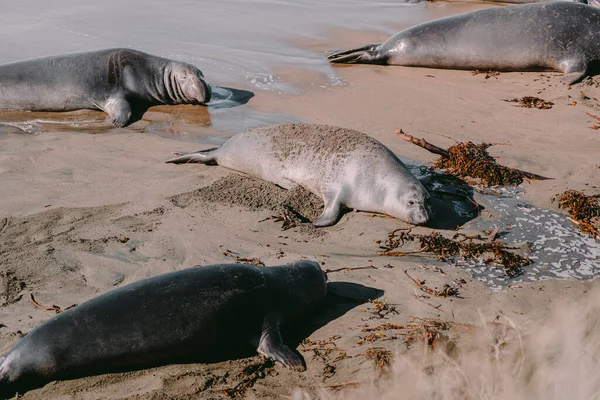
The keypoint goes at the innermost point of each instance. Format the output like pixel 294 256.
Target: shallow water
pixel 232 41
pixel 236 43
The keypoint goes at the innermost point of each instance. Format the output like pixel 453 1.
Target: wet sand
pixel 73 190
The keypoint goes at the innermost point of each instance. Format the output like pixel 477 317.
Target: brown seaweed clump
pixel 473 160
pixel 584 209
pixel 532 102
pixel 469 247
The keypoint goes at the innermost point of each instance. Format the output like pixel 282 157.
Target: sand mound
pixel 253 194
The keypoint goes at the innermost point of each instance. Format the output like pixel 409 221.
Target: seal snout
pixel 204 89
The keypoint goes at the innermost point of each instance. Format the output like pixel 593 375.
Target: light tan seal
pixel 343 166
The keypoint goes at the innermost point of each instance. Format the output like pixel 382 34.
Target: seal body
pixel 121 82
pixel 195 311
pixel 344 167
pixel 563 36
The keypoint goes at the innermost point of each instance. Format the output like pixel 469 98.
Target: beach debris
pixel 383 327
pixel 596 126
pixel 468 247
pixel 251 374
pixel 381 357
pixel 488 74
pixel 425 330
pixel 242 260
pixel 328 271
pixel 54 307
pixel 376 333
pixel 583 209
pixel 532 102
pixel 381 309
pixel 445 291
pixel 473 161
pixel 324 350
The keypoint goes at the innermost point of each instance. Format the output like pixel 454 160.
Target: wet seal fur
pixel 121 82
pixel 343 166
pixel 194 311
pixel 559 36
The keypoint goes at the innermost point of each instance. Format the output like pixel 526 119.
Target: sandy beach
pixel 87 207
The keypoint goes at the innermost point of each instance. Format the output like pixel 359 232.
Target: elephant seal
pixel 121 82
pixel 343 166
pixel 549 36
pixel 196 311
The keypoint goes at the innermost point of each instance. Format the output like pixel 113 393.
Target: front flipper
pixel 271 345
pixel 202 156
pixel 575 70
pixel 119 110
pixel 331 213
pixel 368 54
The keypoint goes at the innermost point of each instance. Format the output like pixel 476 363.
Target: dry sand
pixel 83 212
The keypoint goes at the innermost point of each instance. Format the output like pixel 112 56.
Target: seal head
pixel 411 204
pixel 185 84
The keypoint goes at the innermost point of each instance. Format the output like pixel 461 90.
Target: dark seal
pixel 122 82
pixel 548 36
pixel 193 312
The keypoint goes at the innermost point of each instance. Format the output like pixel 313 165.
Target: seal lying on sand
pixel 342 166
pixel 195 311
pixel 550 36
pixel 121 82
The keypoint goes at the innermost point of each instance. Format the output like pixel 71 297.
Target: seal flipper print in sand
pixel 560 36
pixel 121 82
pixel 196 311
pixel 343 166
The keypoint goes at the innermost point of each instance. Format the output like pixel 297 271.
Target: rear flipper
pixel 202 156
pixel 271 345
pixel 368 54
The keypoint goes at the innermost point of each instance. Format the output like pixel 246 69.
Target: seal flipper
pixel 575 70
pixel 271 345
pixel 202 156
pixel 368 54
pixel 331 213
pixel 119 110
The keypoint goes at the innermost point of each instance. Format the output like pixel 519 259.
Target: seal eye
pixel 411 202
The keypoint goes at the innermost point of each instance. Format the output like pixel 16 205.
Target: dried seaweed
pixel 349 269
pixel 425 330
pixel 323 350
pixel 242 260
pixel 382 358
pixel 488 74
pixel 532 102
pixel 468 247
pixel 445 291
pixel 54 307
pixel 251 373
pixel 382 309
pixel 383 327
pixel 584 209
pixel 473 161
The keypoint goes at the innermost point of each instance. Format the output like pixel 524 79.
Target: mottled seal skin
pixel 122 82
pixel 563 36
pixel 344 167
pixel 196 311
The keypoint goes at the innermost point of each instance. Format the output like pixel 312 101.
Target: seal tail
pixel 368 54
pixel 202 156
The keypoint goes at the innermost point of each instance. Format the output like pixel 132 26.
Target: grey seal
pixel 343 166
pixel 559 36
pixel 121 82
pixel 196 311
